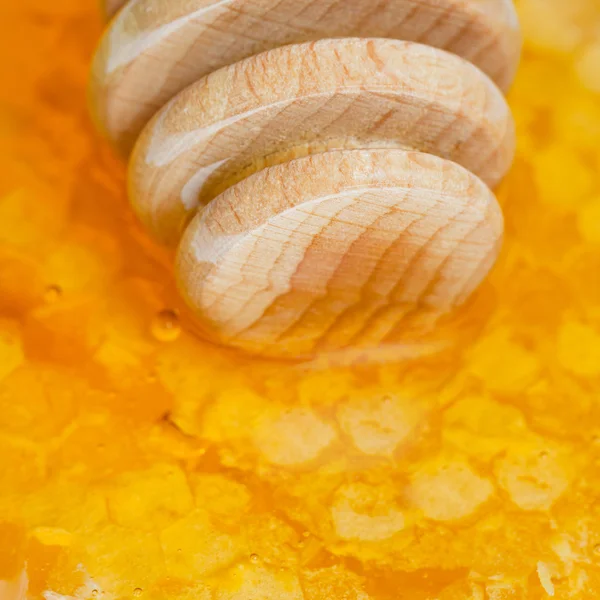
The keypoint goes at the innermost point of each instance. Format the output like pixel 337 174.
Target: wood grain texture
pixel 326 189
pixel 308 98
pixel 338 249
pixel 179 41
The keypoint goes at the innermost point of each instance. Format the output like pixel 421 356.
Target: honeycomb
pixel 140 462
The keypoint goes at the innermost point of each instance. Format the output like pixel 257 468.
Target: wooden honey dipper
pixel 323 166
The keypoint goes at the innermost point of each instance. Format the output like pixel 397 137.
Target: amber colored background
pixel 136 461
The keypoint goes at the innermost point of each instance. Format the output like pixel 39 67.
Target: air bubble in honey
pixel 166 326
pixel 52 294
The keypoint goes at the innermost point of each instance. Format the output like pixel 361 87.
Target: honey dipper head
pixel 323 190
pixel 337 249
pixel 306 98
pixel 340 188
pixel 153 49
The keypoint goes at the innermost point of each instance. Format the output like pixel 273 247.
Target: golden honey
pixel 139 462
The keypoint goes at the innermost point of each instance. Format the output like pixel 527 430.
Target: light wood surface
pixel 324 194
pixel 338 249
pixel 308 98
pixel 155 48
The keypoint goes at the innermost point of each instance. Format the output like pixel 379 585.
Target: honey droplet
pixel 52 294
pixel 597 549
pixel 165 326
pixel 254 558
pixel 137 592
pixel 94 593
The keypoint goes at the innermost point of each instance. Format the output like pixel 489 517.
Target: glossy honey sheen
pixel 138 462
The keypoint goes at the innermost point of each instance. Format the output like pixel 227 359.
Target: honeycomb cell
pixel 225 498
pixel 588 67
pixel 536 475
pixel 577 122
pixel 365 513
pixel 194 548
pixel 483 428
pixel 379 425
pixel 106 555
pixel 235 413
pixel 293 437
pixel 149 499
pixel 555 32
pixel 579 349
pixel 445 491
pixel 562 177
pixel 83 260
pixel 589 222
pixel 505 365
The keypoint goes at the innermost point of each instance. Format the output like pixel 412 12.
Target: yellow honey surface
pixel 138 462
